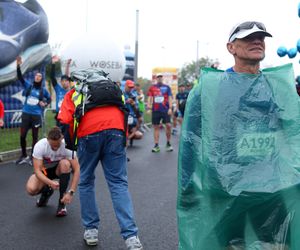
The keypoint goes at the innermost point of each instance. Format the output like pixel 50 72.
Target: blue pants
pixel 107 147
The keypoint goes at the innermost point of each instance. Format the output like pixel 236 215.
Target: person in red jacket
pixel 1 114
pixel 101 137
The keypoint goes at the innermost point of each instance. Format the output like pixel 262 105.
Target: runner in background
pixel 60 88
pixel 36 99
pixel 141 106
pixel 160 101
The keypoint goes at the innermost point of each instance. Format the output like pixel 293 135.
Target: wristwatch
pixel 71 192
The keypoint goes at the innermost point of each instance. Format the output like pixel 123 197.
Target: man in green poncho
pixel 238 168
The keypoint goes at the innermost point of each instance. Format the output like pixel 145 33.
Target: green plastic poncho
pixel 239 162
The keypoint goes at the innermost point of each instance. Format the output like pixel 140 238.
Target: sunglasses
pixel 248 26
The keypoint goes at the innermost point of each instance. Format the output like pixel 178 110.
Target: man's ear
pixel 230 48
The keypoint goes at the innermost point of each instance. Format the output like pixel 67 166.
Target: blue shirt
pixel 31 104
pixel 60 94
pixel 132 119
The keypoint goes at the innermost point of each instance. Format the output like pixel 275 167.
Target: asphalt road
pixel 153 186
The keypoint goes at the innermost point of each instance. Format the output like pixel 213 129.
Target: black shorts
pixel 50 172
pixel 31 121
pixel 157 116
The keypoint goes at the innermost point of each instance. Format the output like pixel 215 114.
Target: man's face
pixel 65 83
pixel 55 144
pixel 159 79
pixel 189 86
pixel 181 88
pixel 128 89
pixel 250 48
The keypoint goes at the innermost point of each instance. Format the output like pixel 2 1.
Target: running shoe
pixel 133 243
pixel 169 147
pixel 156 149
pixel 46 193
pixel 22 160
pixel 61 210
pixel 91 236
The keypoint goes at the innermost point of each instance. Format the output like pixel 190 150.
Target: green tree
pixel 188 72
pixel 145 84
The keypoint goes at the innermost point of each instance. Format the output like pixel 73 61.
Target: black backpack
pixel 97 90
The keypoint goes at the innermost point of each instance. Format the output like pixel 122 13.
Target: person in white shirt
pixel 52 161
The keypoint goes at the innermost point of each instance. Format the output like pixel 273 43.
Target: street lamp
pixel 136 47
pixel 197 60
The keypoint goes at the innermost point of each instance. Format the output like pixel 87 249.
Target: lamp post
pixel 136 47
pixel 86 16
pixel 197 60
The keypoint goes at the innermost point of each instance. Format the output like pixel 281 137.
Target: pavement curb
pixel 12 155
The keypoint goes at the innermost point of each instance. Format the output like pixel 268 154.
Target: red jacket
pixel 1 110
pixel 95 120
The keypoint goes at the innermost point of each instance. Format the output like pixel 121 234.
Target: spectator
pixel 160 101
pixel 60 89
pixel 36 99
pixel 1 114
pixel 101 137
pixel 181 98
pixel 141 105
pixel 189 87
pixel 134 113
pixel 51 160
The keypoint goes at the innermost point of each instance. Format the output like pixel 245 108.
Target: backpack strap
pixel 126 113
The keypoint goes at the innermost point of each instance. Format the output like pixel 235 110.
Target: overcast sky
pixel 169 30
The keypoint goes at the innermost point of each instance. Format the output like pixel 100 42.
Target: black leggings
pixel 33 122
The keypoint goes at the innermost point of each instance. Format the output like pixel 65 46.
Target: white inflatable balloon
pixel 91 51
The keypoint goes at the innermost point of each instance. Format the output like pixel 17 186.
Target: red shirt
pixel 95 120
pixel 160 94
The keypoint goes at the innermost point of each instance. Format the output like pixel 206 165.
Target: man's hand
pixel 54 184
pixel 42 104
pixel 55 59
pixel 19 60
pixel 67 199
pixel 1 122
pixel 169 111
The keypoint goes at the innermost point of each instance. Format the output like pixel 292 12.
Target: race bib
pixel 130 120
pixel 256 144
pixel 158 99
pixel 32 101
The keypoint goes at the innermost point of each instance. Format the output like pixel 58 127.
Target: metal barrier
pixel 10 133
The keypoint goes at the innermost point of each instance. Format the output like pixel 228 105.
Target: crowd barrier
pixel 10 133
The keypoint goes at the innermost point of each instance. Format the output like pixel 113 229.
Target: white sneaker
pixel 91 236
pixel 133 243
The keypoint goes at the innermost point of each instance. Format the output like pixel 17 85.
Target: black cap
pixel 65 77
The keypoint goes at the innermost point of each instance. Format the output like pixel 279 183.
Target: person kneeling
pixel 51 161
pixel 134 134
